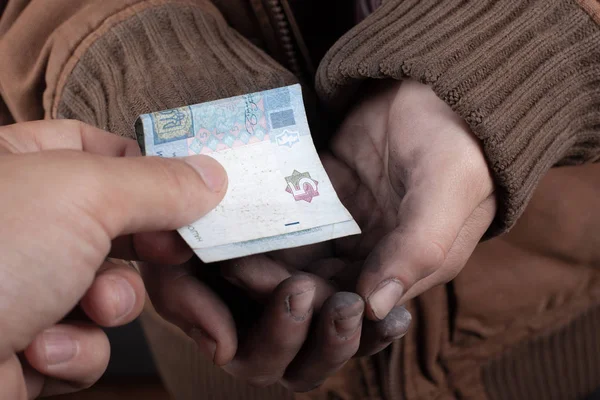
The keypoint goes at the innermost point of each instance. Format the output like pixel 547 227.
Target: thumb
pixel 144 194
pixel 63 209
pixel 434 235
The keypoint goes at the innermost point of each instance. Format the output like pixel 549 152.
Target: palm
pixel 386 150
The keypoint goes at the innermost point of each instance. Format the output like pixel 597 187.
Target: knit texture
pixel 524 75
pixel 563 365
pixel 161 58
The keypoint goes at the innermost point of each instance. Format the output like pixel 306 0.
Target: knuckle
pixel 429 257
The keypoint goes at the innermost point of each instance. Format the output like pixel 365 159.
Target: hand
pixel 68 200
pixel 416 180
pixel 265 324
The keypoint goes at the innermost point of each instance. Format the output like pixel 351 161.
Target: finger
pixel 13 386
pixel 430 217
pixel 36 136
pixel 440 176
pixel 257 275
pixel 377 335
pixel 278 336
pixel 71 357
pixel 299 258
pixel 191 305
pixel 335 341
pixel 116 296
pixel 155 194
pixel 165 248
pixel 330 269
pixel 462 248
pixel 260 275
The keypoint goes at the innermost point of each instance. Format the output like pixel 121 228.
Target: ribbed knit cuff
pixel 523 74
pixel 165 56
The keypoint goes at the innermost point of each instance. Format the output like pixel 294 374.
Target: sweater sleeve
pixel 525 75
pixel 105 62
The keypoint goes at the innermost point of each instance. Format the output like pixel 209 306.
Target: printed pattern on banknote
pixel 279 194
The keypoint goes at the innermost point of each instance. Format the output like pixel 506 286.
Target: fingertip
pixel 378 335
pixel 206 345
pixel 384 298
pixel 395 325
pixel 344 304
pixel 300 304
pixel 115 298
pixel 346 311
pixel 77 353
pixel 196 309
pixel 335 340
pixel 157 194
pixel 211 171
pixel 257 275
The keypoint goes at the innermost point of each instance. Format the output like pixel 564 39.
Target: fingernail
pixel 346 327
pixel 383 299
pixel 59 347
pixel 212 173
pixel 300 304
pixel 124 296
pixel 205 343
pixel 395 325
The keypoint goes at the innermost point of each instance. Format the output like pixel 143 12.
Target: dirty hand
pixel 416 180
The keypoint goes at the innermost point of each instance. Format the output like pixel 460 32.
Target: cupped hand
pixel 416 180
pixel 265 323
pixel 70 200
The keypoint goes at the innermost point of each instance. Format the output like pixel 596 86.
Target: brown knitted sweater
pixel 525 75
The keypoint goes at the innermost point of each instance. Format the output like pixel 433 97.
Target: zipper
pixel 284 36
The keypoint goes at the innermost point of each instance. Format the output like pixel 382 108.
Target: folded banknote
pixel 279 195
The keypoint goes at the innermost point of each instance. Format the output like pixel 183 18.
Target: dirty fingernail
pixel 59 347
pixel 300 304
pixel 346 327
pixel 205 343
pixel 384 298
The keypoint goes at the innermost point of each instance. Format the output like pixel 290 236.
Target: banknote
pixel 279 195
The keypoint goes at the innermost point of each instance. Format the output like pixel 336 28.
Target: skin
pixel 415 178
pixel 67 206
